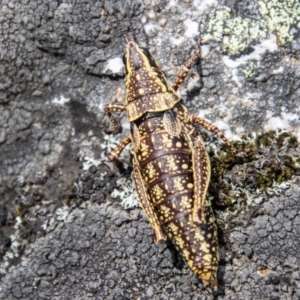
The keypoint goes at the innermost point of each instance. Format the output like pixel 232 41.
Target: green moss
pixel 20 210
pixel 274 160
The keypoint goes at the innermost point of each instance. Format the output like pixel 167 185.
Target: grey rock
pixel 96 56
pixel 37 93
pixel 44 144
pixel 5 82
pixel 238 237
pixel 2 135
pixel 21 119
pixel 93 248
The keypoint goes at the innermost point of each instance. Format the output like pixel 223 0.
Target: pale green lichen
pixel 249 70
pixel 235 34
pixel 215 27
pixel 281 17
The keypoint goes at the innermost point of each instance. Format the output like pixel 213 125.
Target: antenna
pixel 124 30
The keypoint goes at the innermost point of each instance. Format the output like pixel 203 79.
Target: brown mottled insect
pixel 171 168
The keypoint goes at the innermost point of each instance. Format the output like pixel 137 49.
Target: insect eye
pixel 151 60
pixel 124 59
pixel 124 62
pixel 146 52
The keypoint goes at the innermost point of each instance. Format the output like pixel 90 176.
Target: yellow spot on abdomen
pixel 178 144
pixel 141 91
pixel 138 77
pixel 207 257
pixel 185 254
pixel 190 185
pixel 204 247
pixel 184 166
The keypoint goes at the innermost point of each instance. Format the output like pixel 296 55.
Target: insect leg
pixel 110 108
pixel 201 168
pixel 159 235
pixel 186 67
pixel 214 129
pixel 115 153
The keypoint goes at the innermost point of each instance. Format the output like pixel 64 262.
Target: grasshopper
pixel 171 168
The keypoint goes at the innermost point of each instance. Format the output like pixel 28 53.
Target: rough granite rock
pixel 63 234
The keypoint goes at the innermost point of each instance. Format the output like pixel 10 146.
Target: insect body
pixel 171 168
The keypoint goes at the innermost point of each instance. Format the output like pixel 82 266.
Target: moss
pixel 20 210
pixel 273 161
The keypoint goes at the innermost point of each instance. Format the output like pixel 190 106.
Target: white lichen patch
pixel 192 28
pixel 126 192
pixel 110 142
pixel 86 153
pixel 281 17
pixel 13 252
pixel 64 214
pixel 203 5
pixel 284 121
pixel 125 189
pixel 62 100
pixel 177 41
pixel 225 128
pixel 49 224
pixel 114 65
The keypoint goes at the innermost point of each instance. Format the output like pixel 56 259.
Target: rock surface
pixel 62 235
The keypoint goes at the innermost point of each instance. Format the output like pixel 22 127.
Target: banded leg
pixel 201 173
pixel 110 108
pixel 115 153
pixel 159 235
pixel 214 129
pixel 186 67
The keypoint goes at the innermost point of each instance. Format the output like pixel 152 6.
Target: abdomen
pixel 166 166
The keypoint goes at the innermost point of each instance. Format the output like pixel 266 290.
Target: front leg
pixel 110 108
pixel 159 235
pixel 186 67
